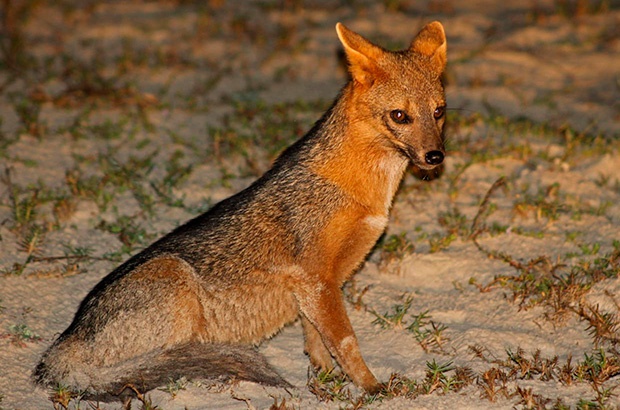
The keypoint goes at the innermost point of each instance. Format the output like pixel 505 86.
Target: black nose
pixel 434 157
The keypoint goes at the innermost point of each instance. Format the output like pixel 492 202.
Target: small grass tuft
pixel 61 396
pixel 394 248
pixel 427 333
pixel 440 378
pixel 174 386
pixel 328 386
pixel 21 334
pixel 396 318
pixel 128 231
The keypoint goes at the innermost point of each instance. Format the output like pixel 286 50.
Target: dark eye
pixel 439 112
pixel 399 117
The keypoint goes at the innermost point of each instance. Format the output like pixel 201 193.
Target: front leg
pixel 324 309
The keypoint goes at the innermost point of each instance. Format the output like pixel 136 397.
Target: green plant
pixel 61 396
pixel 28 111
pixel 396 318
pixel 174 386
pixel 442 378
pixel 129 232
pixel 394 248
pixel 455 223
pixel 329 386
pixel 438 241
pixel 22 334
pixel 427 333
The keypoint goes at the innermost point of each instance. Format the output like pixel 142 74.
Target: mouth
pixel 424 166
pixel 431 160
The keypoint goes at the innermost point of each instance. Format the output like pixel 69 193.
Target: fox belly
pixel 163 303
pixel 250 311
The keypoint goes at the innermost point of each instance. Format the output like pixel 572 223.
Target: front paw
pixel 376 389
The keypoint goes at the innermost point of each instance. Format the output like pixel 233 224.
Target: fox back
pixel 197 301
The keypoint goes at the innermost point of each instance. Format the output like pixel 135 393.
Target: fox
pixel 198 302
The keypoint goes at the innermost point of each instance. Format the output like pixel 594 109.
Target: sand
pixel 534 88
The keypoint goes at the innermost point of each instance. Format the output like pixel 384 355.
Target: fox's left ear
pixel 361 54
pixel 431 42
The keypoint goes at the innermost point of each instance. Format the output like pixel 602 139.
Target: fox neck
pixel 360 161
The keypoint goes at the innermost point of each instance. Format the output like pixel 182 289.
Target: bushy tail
pixel 190 360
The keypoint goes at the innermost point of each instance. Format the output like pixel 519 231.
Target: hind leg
pixel 320 358
pixel 153 307
pixel 157 305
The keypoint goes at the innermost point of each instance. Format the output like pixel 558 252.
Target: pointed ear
pixel 431 42
pixel 361 54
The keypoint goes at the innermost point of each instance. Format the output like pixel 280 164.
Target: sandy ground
pixel 179 72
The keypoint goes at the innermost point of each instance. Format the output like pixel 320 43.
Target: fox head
pixel 399 95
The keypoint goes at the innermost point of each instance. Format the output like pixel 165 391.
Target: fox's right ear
pixel 361 55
